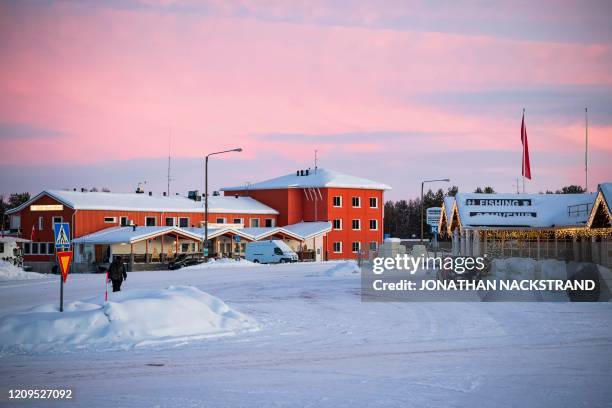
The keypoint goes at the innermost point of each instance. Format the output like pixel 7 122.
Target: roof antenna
pixel 169 179
pixel 315 162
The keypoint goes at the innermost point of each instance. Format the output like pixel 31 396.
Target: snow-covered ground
pixel 319 345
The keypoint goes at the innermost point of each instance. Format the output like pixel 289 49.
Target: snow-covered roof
pixel 143 202
pixel 315 178
pixel 606 191
pixel 128 235
pixel 309 229
pixel 524 210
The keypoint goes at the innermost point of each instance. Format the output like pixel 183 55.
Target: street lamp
pixel 422 185
pixel 239 149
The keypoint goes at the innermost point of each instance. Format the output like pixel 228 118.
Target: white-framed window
pixel 170 221
pixel 337 201
pixel 356 224
pixel 150 221
pixel 373 245
pixel 125 221
pixel 337 224
pixel 373 202
pixel 42 248
pixel 57 220
pixel 374 225
pixel 41 223
pixel 337 247
pixel 238 220
pixel 110 220
pixel 221 220
pixel 1 246
pixel 356 202
pixel 254 222
pixel 269 222
pixel 356 246
pixel 183 222
pixel 34 248
pixel 27 248
pixel 51 248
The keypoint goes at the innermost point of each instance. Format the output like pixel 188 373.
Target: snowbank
pixel 338 268
pixel 222 263
pixel 527 268
pixel 131 319
pixel 8 271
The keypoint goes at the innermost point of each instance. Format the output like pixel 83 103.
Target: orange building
pixel 353 205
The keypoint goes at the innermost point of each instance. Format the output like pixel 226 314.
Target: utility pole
pixel 169 141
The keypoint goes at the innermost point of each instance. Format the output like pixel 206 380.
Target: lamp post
pixel 239 149
pixel 422 205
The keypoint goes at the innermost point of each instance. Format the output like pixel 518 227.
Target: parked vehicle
pixel 186 260
pixel 273 251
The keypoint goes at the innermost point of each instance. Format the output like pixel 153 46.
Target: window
pixel 356 202
pixel 338 224
pixel 356 224
pixel 185 247
pixel 269 222
pixel 238 220
pixel 34 248
pixel 337 247
pixel 51 248
pixel 124 221
pixel 254 222
pixel 57 220
pixel 150 221
pixel 221 220
pixel 110 220
pixel 41 223
pixel 42 248
pixel 373 225
pixel 1 246
pixel 337 201
pixel 278 251
pixel 373 246
pixel 27 248
pixel 183 222
pixel 169 221
pixel 356 246
pixel 373 202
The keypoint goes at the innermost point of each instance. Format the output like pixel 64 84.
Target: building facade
pixel 353 205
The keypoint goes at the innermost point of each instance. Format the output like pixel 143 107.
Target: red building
pixel 353 205
pixel 89 212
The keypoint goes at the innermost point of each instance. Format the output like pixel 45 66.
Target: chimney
pixel 297 173
pixel 150 193
pixel 164 193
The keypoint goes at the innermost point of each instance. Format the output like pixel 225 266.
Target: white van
pixel 273 251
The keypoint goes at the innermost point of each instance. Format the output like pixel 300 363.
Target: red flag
pixel 526 169
pixel 33 234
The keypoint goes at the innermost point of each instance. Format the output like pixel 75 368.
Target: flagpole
pixel 523 152
pixel 586 151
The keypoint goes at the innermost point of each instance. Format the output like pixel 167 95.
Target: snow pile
pixel 131 319
pixel 338 268
pixel 223 263
pixel 8 271
pixel 528 268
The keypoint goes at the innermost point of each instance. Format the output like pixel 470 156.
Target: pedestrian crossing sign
pixel 61 230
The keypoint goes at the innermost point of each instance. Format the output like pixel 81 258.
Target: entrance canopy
pixel 130 235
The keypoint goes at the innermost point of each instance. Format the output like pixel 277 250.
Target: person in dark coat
pixel 117 273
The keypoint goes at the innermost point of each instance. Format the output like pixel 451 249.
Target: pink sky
pixel 396 92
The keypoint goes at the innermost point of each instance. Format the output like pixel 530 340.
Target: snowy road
pixel 320 346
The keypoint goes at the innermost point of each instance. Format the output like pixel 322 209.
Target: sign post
pixel 61 231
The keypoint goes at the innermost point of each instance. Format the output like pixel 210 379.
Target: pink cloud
pixel 116 81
